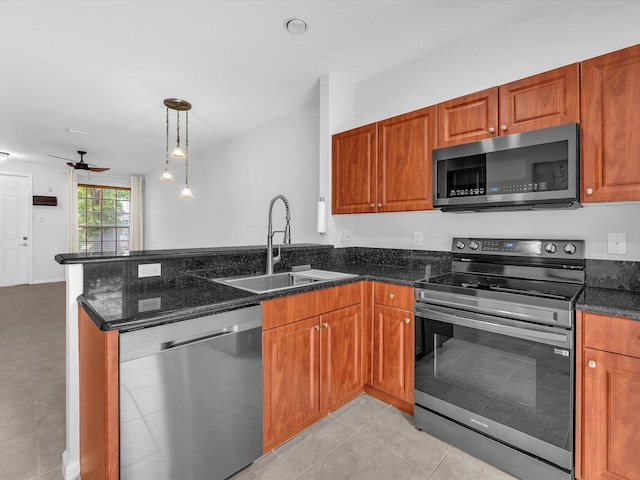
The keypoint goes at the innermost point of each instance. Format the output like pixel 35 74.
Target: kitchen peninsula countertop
pixel 193 294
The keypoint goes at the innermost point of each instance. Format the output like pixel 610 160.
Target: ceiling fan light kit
pixel 178 105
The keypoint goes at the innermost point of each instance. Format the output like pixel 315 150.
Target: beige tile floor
pixel 32 381
pixel 366 439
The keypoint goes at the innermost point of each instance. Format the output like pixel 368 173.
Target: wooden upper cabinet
pixel 468 118
pixel 544 100
pixel 609 134
pixel 354 170
pixel 404 161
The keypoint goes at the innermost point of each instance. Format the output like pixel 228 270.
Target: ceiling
pixel 104 67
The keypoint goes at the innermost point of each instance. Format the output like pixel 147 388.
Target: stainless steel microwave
pixel 539 169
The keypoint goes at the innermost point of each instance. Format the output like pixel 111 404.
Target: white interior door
pixel 15 222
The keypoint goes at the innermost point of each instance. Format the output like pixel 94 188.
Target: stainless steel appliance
pixel 191 397
pixel 494 370
pixel 530 170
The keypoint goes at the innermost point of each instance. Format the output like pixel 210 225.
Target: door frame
pixel 29 178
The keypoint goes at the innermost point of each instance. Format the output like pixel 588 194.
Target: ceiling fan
pixel 81 165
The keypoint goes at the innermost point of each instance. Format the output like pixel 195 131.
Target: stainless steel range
pixel 495 353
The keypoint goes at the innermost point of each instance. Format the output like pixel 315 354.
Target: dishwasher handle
pixel 225 331
pixel 148 341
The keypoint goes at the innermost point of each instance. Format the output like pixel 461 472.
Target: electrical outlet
pixel 344 234
pixel 149 270
pixel 149 304
pixel 417 238
pixel 617 243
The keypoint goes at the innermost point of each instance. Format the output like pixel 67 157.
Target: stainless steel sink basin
pixel 281 281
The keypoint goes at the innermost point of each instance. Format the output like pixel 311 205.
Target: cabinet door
pixel 393 345
pixel 404 161
pixel 290 379
pixel 611 429
pixel 609 135
pixel 341 357
pixel 544 100
pixel 468 118
pixel 354 167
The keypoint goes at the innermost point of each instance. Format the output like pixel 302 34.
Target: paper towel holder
pixel 322 217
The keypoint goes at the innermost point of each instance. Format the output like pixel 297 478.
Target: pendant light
pixel 179 106
pixel 167 176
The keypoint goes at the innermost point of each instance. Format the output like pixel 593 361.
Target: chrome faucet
pixel 271 260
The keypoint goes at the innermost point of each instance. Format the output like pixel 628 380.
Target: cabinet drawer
pixel 291 308
pixel 398 296
pixel 612 334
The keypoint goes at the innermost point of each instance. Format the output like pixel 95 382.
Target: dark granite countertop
pixel 621 303
pixel 193 295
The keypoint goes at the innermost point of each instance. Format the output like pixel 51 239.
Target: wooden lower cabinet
pixel 311 365
pixel 391 337
pixel 291 379
pixel 608 396
pixel 98 388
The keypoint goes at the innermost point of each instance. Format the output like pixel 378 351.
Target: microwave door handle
pixel 541 336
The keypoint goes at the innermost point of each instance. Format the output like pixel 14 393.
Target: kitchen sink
pixel 282 281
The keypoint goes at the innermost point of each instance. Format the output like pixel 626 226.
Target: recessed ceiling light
pixel 295 26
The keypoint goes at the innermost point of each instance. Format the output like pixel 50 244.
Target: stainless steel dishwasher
pixel 191 397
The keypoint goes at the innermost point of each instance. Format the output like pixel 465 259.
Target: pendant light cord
pixel 186 150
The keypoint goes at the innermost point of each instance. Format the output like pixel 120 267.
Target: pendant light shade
pixel 179 106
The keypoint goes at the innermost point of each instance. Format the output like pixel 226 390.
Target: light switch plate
pixel 617 243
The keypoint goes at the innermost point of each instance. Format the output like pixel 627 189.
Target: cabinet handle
pixel 589 191
pixel 407 320
pixel 325 325
pixel 491 129
pixel 379 205
pixel 591 364
pixel 503 128
pixel 317 327
pixel 372 205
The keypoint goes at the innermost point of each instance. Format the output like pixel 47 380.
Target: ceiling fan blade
pixel 71 164
pixel 98 169
pixel 61 158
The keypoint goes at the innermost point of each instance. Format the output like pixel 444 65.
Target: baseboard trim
pixel 48 280
pixel 70 468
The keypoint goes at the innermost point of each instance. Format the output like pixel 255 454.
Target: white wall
pixel 577 32
pixel 233 184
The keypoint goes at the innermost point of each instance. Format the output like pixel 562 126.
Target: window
pixel 103 219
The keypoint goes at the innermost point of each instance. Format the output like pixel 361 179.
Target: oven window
pixel 518 383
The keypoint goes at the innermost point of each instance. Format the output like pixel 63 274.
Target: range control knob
pixel 459 244
pixel 473 245
pixel 550 247
pixel 569 248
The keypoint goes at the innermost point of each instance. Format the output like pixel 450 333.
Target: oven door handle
pixel 489 324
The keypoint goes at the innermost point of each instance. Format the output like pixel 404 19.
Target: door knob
pixel 491 129
pixel 592 364
pixel 317 327
pixel 589 191
pixel 325 325
pixel 503 128
pixel 379 205
pixel 372 205
pixel 24 238
pixel 391 295
pixel 407 320
pixel 22 244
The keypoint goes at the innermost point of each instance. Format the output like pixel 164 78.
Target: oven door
pixel 507 379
